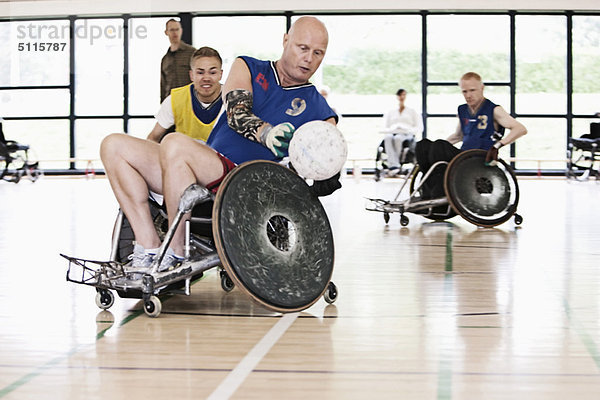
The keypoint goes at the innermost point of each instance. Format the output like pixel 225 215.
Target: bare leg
pixel 185 161
pixel 133 166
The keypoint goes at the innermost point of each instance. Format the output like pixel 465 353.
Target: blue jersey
pixel 477 129
pixel 271 103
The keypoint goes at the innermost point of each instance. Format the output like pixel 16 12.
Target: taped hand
pixel 491 158
pixel 277 138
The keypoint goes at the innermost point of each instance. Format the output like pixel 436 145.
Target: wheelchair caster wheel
pixel 331 293
pixel 386 217
pixel 104 299
pixel 403 220
pixel 152 306
pixel 226 282
pixel 518 219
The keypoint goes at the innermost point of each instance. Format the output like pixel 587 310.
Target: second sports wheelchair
pixel 583 153
pixel 483 195
pixel 264 229
pixel 14 161
pixel 407 156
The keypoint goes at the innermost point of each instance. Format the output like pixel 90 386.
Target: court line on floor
pixel 318 372
pixel 444 381
pixel 588 340
pixel 238 375
pixel 25 379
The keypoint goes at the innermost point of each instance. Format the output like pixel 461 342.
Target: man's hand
pixel 491 158
pixel 277 138
pixel 326 187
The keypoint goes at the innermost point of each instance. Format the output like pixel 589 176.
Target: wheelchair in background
pixel 583 153
pixel 407 157
pixel 483 195
pixel 14 161
pixel 265 231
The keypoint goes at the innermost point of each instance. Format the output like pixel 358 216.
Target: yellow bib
pixel 186 121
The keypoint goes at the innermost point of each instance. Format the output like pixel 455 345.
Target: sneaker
pixel 170 261
pixel 393 171
pixel 141 258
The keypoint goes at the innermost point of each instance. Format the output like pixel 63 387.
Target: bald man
pixel 481 125
pixel 265 102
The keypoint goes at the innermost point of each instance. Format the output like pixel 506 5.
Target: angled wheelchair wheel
pixel 483 195
pixel 273 236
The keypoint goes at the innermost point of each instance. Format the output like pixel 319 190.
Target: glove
pixel 277 138
pixel 491 158
pixel 326 187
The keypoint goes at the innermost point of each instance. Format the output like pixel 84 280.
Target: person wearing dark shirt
pixel 175 64
pixel 479 120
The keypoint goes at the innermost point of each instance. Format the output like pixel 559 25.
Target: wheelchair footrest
pixel 100 274
pixel 384 206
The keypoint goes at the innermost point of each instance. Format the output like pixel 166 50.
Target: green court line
pixel 57 360
pixel 445 365
pixel 38 371
pixel 449 249
pixel 587 340
pixel 445 379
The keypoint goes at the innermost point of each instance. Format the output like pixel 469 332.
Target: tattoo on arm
pixel 239 114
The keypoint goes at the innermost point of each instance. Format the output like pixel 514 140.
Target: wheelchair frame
pixel 381 165
pixel 433 208
pixel 14 162
pixel 201 254
pixel 584 151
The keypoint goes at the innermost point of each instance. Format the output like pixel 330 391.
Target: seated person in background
pixel 194 108
pixel 265 102
pixel 401 126
pixel 481 125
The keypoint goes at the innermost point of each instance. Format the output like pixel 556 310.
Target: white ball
pixel 318 150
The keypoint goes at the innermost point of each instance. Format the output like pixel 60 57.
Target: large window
pixel 34 53
pixel 95 76
pixel 586 62
pixel 147 46
pixel 541 64
pixel 48 140
pixel 34 74
pixel 460 43
pixel 545 141
pixel 99 66
pixel 368 59
pixel 259 37
pixel 452 50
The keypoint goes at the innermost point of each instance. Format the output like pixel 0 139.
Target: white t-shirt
pixel 409 121
pixel 165 117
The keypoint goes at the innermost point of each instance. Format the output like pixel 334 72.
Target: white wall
pixel 15 9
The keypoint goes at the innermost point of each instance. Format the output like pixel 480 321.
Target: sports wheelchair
pixel 14 161
pixel 407 156
pixel 483 195
pixel 264 229
pixel 582 154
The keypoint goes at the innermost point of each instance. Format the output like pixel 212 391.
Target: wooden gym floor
pixel 428 311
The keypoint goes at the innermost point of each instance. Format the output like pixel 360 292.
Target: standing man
pixel 175 64
pixel 265 102
pixel 481 125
